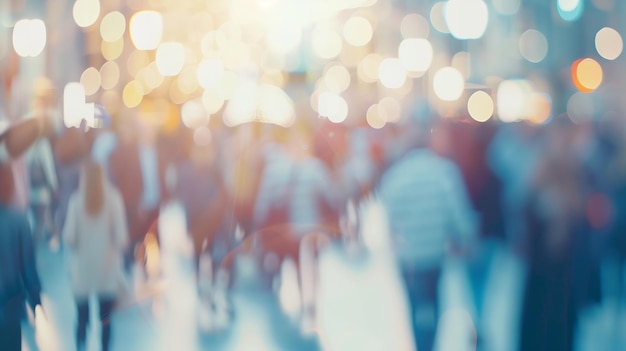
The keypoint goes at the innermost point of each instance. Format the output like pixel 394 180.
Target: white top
pixel 96 244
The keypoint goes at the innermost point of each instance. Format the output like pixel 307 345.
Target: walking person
pixel 96 234
pixel 19 280
pixel 428 209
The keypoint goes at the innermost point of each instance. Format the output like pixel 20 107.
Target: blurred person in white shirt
pixel 429 213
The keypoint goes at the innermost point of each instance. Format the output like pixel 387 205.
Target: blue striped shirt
pixel 427 205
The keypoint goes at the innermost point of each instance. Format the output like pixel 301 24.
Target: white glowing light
pixel 337 79
pixel 480 106
pixel 193 114
pixel 86 12
pixel 29 37
pixel 568 5
pixel 514 100
pixel 326 42
pixel 416 54
pixel 112 26
pixel 392 73
pixel 210 73
pixel 146 29
pixel 170 58
pixel 276 106
pixel 570 10
pixel 374 118
pixel 437 17
pixel 466 19
pixel 332 106
pixel 609 43
pixel 283 37
pixel 74 107
pixel 212 100
pixel 448 84
pixel 414 25
pixel 533 46
pixel 358 31
pixel 265 103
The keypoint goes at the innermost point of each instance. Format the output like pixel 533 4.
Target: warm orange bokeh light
pixel 587 75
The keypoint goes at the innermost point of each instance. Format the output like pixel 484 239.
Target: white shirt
pixel 96 244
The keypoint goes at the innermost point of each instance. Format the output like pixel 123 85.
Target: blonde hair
pixel 94 188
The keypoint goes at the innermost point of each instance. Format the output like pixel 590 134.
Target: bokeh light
pixel 392 73
pixel 170 58
pixel 587 75
pixel 73 104
pixel 276 106
pixel 437 17
pixel 480 106
pixel 187 80
pixel 90 79
pixel 541 108
pixel 414 25
pixel 570 10
pixel 333 107
pixel 29 37
pixel 212 100
pixel 448 84
pixel 337 78
pixel 374 118
pixel 416 54
pixel 513 101
pixel 390 109
pixel 193 114
pixel 109 75
pixel 533 46
pixel 609 43
pixel 132 95
pixel 86 12
pixel 112 26
pixel 367 70
pixel 357 31
pixel 466 19
pixel 146 29
pixel 580 108
pixel 326 43
pixel 210 73
pixel 112 50
pixel 283 37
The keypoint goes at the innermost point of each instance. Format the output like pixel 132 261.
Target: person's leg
pixel 426 307
pixel 83 320
pixel 409 278
pixel 106 308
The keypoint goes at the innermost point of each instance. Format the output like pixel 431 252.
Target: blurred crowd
pixel 553 194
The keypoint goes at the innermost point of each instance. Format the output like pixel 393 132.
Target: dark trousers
pixel 10 333
pixel 422 289
pixel 106 307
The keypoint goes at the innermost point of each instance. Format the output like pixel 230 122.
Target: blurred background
pixel 322 175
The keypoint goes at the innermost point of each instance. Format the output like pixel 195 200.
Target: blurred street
pixel 362 303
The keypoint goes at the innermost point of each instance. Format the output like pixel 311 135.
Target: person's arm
pixel 28 266
pixel 70 232
pixel 119 220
